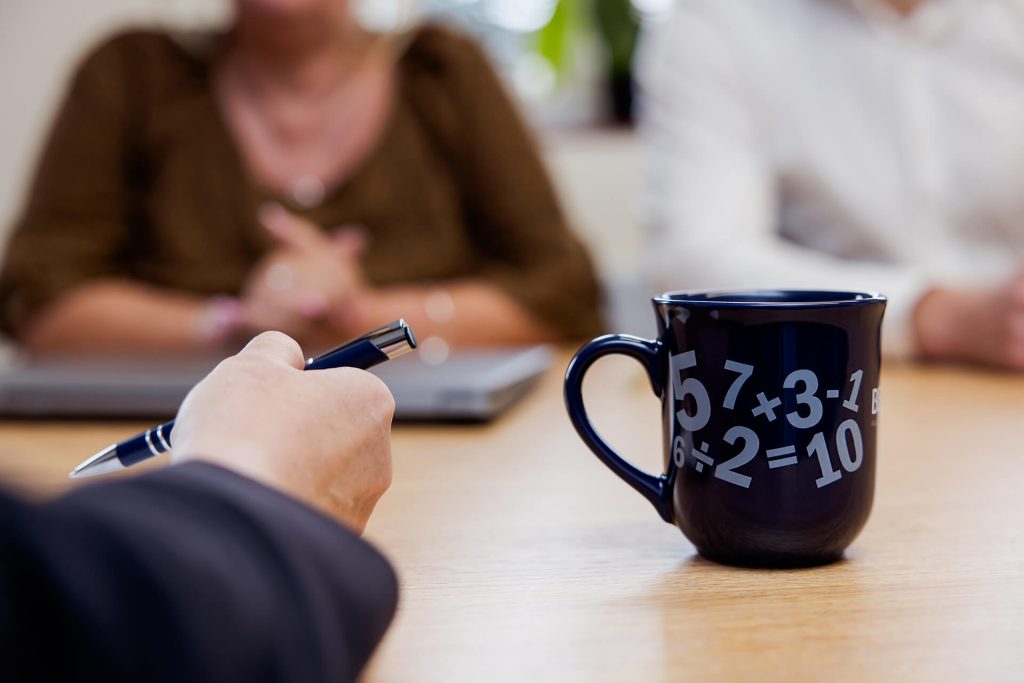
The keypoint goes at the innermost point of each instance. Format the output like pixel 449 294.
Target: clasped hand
pixel 310 284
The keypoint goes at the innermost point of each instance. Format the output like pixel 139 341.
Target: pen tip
pixel 103 462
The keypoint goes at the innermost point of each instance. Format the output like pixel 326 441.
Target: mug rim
pixel 813 298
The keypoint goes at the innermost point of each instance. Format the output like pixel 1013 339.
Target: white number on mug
pixel 734 389
pixel 850 428
pixel 691 386
pixel 819 447
pixel 751 443
pixel 805 398
pixel 851 462
pixel 679 451
pixel 851 403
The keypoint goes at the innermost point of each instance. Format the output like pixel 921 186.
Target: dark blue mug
pixel 770 411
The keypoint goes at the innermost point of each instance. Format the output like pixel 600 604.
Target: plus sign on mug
pixel 770 411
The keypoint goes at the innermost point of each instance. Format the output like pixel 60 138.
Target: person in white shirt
pixel 858 144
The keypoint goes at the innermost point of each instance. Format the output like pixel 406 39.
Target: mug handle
pixel 656 489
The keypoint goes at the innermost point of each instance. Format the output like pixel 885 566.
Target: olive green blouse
pixel 141 178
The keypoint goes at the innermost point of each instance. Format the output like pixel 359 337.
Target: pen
pixel 374 347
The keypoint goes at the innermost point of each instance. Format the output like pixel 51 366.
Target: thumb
pixel 276 347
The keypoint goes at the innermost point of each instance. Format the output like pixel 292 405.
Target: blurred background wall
pixel 40 43
pixel 566 60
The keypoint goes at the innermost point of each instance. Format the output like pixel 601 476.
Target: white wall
pixel 40 42
pixel 598 176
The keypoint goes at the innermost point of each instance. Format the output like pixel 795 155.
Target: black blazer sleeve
pixel 192 573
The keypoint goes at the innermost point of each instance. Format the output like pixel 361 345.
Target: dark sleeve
pixel 73 224
pixel 519 229
pixel 190 574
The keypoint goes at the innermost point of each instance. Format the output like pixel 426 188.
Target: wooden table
pixel 523 559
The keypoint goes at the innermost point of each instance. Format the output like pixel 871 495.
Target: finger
pixel 349 241
pixel 290 230
pixel 275 346
pixel 313 304
pixel 344 317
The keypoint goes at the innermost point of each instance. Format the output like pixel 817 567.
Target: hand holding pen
pixel 364 352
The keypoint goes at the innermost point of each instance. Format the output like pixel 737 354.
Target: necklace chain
pixel 298 156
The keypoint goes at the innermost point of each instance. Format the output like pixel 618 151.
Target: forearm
pixel 463 313
pixel 119 315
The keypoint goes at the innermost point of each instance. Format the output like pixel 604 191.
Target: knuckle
pixel 385 476
pixel 248 365
pixel 378 397
pixel 233 365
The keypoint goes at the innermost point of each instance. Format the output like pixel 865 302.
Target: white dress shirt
pixel 834 144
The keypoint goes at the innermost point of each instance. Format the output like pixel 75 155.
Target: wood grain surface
pixel 523 559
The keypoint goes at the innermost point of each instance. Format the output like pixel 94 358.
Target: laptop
pixel 470 385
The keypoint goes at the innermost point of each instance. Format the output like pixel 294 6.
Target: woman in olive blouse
pixel 293 173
